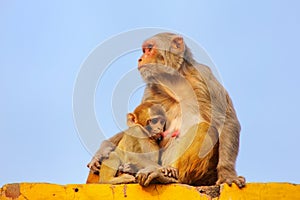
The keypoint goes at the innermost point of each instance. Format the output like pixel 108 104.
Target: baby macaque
pixel 138 148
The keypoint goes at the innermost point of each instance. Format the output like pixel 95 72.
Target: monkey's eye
pixel 149 47
pixel 162 121
pixel 154 120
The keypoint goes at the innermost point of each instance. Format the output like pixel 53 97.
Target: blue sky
pixel 253 44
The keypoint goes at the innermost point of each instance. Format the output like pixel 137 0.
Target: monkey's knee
pixel 109 168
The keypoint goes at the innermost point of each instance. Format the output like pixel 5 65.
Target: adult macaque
pixel 138 148
pixel 215 106
pixel 203 139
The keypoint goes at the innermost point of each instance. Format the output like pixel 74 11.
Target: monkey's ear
pixel 178 45
pixel 131 119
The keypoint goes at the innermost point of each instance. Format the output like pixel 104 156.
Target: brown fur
pixel 138 147
pixel 214 104
pixel 192 162
pixel 135 148
pixel 197 105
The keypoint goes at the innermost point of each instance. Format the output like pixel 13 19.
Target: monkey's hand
pixel 103 153
pixel 170 172
pixel 154 175
pixel 240 181
pixel 94 165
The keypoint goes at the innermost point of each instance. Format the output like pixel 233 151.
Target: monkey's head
pixel 150 116
pixel 163 53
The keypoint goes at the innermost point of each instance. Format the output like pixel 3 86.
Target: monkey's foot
pixel 127 168
pixel 153 175
pixel 240 181
pixel 122 179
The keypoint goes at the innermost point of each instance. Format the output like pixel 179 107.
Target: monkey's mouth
pixel 141 66
pixel 157 136
pixel 147 65
pixel 145 72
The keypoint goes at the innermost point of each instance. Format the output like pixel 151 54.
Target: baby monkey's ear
pixel 131 119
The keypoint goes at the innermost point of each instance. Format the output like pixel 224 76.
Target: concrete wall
pixel 257 191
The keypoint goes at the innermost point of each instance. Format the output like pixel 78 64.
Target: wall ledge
pixel 134 191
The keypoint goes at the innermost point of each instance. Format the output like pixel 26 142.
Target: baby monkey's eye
pixel 154 120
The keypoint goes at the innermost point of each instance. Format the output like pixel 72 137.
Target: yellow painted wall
pixel 276 191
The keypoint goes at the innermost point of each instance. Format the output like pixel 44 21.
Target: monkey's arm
pixel 106 147
pixel 116 138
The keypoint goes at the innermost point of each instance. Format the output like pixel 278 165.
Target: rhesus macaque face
pixel 165 50
pixel 151 54
pixel 156 125
pixel 150 116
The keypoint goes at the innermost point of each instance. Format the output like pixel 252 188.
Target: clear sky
pixel 253 44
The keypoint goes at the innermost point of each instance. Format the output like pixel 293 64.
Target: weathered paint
pixel 46 191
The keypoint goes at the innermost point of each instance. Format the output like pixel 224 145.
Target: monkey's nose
pixel 140 62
